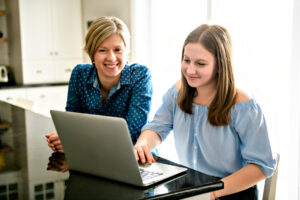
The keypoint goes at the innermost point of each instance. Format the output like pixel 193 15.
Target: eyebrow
pixel 202 60
pixel 119 46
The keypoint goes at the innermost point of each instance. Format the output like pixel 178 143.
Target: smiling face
pixel 198 66
pixel 110 59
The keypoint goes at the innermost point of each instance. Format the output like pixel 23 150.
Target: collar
pixel 124 80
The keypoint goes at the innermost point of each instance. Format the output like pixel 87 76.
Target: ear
pixel 127 55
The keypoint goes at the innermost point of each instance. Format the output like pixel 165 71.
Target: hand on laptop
pixel 143 154
pixel 148 140
pixel 54 142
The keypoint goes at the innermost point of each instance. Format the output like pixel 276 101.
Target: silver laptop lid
pixel 110 156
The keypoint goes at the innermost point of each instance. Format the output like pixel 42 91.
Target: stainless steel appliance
pixel 3 74
pixel 6 76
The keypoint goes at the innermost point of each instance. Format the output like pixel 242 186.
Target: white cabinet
pixel 52 96
pixel 11 95
pixel 51 39
pixel 48 71
pixel 66 24
pixel 38 71
pixel 37 99
pixel 63 68
pixel 35 29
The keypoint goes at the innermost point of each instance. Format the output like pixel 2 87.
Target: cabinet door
pixel 38 71
pixel 35 29
pixel 51 34
pixel 67 28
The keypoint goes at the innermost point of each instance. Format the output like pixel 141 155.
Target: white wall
pixel 295 103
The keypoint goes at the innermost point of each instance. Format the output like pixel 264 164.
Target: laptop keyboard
pixel 149 174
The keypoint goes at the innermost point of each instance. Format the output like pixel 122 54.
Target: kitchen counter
pixel 37 98
pixel 4 86
pixel 30 170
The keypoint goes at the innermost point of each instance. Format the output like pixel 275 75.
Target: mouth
pixel 111 66
pixel 192 77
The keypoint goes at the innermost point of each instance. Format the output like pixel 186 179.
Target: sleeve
pixel 140 103
pixel 255 144
pixel 73 92
pixel 162 122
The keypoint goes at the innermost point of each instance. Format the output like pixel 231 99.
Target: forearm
pixel 149 138
pixel 241 180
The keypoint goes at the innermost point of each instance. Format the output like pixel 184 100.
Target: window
pixel 265 47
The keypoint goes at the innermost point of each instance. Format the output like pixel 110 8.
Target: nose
pixel 190 69
pixel 111 56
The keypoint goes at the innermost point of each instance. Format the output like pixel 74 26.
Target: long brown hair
pixel 217 41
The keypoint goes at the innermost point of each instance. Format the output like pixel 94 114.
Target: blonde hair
pixel 217 41
pixel 102 28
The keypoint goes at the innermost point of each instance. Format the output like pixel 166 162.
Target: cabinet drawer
pixel 63 69
pixel 11 95
pixel 53 96
pixel 37 72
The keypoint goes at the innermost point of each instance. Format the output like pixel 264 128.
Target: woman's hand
pixel 143 154
pixel 58 162
pixel 54 142
pixel 213 196
pixel 147 141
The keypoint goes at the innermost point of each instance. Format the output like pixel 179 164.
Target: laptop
pixel 102 146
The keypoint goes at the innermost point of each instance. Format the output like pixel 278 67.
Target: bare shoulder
pixel 241 96
pixel 178 84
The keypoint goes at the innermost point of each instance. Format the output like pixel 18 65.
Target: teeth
pixel 111 66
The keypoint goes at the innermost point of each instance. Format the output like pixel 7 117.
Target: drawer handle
pixel 42 96
pixel 39 71
pixel 68 70
pixel 9 98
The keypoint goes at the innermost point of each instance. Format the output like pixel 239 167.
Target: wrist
pixel 215 197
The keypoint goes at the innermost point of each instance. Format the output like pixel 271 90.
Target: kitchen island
pixel 30 170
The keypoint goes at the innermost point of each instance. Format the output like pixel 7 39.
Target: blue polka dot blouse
pixel 130 99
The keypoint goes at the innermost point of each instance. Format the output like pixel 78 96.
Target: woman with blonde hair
pixel 218 129
pixel 109 86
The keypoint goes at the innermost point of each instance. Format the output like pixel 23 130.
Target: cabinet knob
pixel 68 70
pixel 42 96
pixel 9 98
pixel 55 53
pixel 39 71
pixel 51 53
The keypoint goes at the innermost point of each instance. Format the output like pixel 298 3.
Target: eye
pixel 200 64
pixel 186 61
pixel 118 50
pixel 101 50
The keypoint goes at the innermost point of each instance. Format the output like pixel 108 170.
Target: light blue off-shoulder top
pixel 215 150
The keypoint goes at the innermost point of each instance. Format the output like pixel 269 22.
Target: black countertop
pixel 30 170
pixel 13 86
